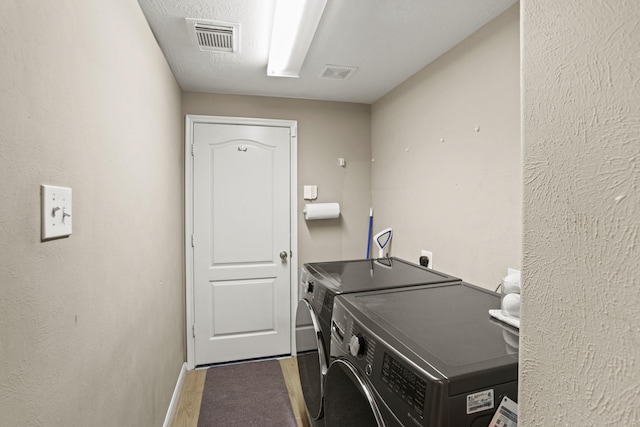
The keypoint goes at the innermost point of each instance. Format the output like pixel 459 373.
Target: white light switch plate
pixel 56 211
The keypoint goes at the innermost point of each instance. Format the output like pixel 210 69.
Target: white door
pixel 242 241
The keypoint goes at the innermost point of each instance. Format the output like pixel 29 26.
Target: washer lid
pixel 447 327
pixel 372 274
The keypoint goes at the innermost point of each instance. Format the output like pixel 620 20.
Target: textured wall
pixel 580 340
pixel 326 131
pixel 91 326
pixel 460 198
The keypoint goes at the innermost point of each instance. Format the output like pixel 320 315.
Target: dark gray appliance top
pixel 371 274
pixel 448 327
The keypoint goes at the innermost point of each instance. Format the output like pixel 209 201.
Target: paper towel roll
pixel 321 211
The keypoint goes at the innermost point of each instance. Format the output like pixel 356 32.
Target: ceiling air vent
pixel 214 36
pixel 337 72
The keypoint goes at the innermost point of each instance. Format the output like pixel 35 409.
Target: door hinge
pixel 193 241
pixel 193 330
pixel 193 148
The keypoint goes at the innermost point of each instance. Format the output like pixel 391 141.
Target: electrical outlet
pixel 429 259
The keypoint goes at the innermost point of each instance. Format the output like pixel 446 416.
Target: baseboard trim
pixel 176 396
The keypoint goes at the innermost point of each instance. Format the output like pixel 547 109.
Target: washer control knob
pixel 308 287
pixel 356 345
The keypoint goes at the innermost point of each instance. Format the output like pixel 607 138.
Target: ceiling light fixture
pixel 294 25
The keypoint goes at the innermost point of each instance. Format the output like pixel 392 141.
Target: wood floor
pixel 188 407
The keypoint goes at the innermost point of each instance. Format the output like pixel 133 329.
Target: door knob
pixel 283 255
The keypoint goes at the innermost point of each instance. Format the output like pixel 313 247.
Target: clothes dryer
pixel 421 356
pixel 319 285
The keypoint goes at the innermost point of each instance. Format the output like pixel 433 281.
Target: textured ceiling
pixel 387 40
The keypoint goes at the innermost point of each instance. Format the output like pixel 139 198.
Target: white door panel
pixel 243 206
pixel 241 222
pixel 234 313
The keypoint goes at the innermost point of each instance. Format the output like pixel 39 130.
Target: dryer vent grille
pixel 214 35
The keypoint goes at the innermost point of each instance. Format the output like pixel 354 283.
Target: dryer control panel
pixel 404 383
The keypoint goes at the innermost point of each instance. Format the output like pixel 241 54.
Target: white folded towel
pixel 511 284
pixel 511 305
pixel 504 318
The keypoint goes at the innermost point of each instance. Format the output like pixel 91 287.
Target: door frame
pixel 190 121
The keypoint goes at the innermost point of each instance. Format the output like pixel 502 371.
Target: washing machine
pixel 422 356
pixel 319 285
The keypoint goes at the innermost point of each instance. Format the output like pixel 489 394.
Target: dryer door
pixel 349 401
pixel 311 357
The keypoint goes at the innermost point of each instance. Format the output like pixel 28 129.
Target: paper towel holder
pixel 315 211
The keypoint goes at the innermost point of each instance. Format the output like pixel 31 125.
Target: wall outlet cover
pixel 429 255
pixel 512 271
pixel 310 192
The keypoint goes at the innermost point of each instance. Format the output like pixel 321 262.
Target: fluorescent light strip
pixel 294 25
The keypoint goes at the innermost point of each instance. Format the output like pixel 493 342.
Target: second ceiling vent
pixel 214 36
pixel 337 72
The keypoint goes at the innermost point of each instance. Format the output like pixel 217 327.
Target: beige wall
pixel 580 340
pixel 91 326
pixel 461 197
pixel 326 131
